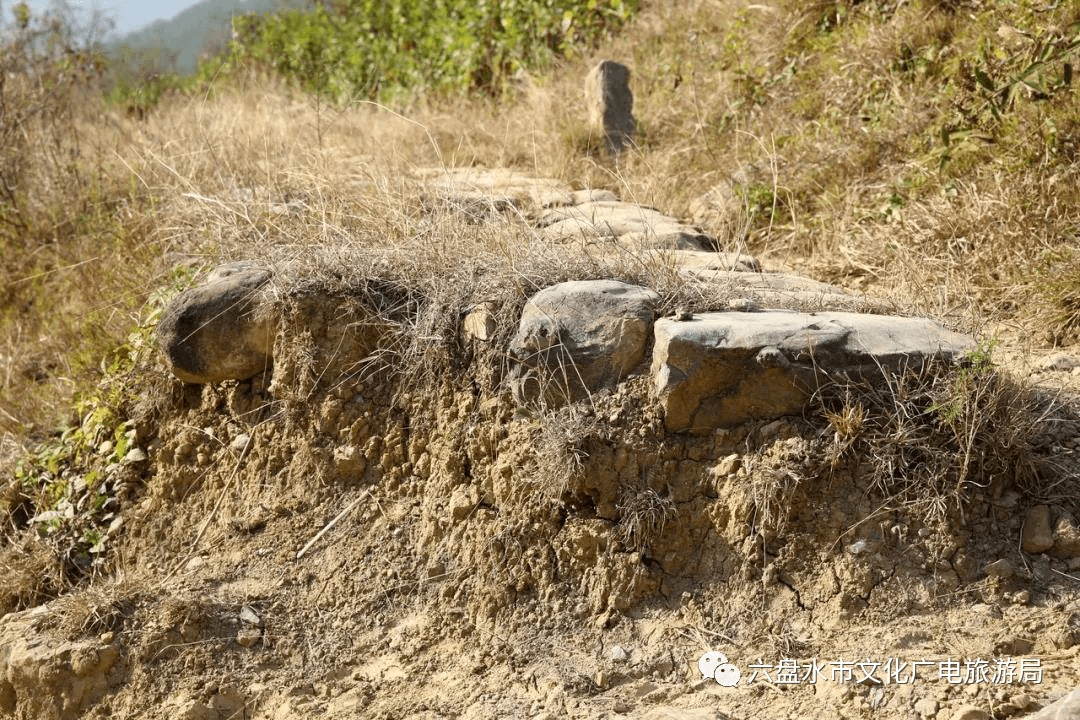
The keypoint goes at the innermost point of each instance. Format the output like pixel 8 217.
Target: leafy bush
pixel 71 488
pixel 367 49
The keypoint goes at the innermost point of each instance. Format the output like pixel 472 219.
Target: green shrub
pixel 372 49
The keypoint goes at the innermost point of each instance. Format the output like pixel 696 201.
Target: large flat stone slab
pixel 506 189
pixel 723 369
pixel 705 262
pixel 772 290
pixel 637 226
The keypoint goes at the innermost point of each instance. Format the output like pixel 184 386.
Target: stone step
pixel 723 369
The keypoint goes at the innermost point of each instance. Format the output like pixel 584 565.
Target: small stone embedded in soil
pixel 480 324
pixel 926 708
pixel 969 712
pixel 1066 539
pixel 860 547
pixel 1001 569
pixel 135 455
pixel 248 636
pixel 619 654
pixel 240 442
pixel 1037 536
pixel 728 465
pixel 248 616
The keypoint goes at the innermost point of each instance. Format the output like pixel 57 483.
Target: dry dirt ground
pixel 480 561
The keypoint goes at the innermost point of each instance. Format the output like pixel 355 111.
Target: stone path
pixel 709 370
pixel 760 359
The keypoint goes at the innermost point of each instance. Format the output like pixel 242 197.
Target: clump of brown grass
pixel 560 441
pixel 927 438
pixel 642 516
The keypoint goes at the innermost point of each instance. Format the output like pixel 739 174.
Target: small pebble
pixel 1001 569
pixel 135 455
pixel 248 636
pixel 248 615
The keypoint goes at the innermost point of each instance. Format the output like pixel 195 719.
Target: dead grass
pixel 822 120
pixel 826 120
pixel 929 438
pixel 643 515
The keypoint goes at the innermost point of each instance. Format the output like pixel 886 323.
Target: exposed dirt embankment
pixel 485 559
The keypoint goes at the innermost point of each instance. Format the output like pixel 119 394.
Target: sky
pixel 127 14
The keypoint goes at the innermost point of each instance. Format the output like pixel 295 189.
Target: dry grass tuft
pixel 927 438
pixel 643 515
pixel 560 440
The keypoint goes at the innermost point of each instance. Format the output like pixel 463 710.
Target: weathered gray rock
pixel 1066 708
pixel 501 189
pixel 768 282
pixel 48 677
pixel 576 337
pixel 724 369
pixel 223 330
pixel 611 104
pixel 636 226
pixel 776 290
pixel 969 712
pixel 231 269
pixel 1001 569
pixel 705 262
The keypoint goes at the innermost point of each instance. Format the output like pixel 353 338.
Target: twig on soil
pixel 1063 574
pixel 331 524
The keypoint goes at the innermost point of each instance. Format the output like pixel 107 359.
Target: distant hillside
pixel 203 28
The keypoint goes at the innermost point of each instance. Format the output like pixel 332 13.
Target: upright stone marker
pixel 610 102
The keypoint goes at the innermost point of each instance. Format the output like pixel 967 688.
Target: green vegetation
pixel 354 50
pixel 370 49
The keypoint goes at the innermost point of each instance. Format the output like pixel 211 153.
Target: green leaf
pixel 984 80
